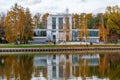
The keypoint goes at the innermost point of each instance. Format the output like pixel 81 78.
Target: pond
pixel 60 67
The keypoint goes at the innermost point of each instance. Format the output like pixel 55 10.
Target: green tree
pixel 93 21
pixel 112 15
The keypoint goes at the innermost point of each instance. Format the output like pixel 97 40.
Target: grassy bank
pixel 55 46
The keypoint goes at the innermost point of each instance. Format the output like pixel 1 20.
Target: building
pixel 93 35
pixel 59 29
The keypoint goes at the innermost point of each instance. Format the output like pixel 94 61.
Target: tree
pixel 36 20
pixel 93 21
pixel 112 15
pixel 44 20
pixel 18 25
pixel 103 31
pixel 28 27
pixel 14 24
pixel 75 21
pixel 67 28
pixel 2 26
pixel 83 29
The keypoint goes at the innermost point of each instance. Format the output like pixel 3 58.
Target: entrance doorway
pixel 54 39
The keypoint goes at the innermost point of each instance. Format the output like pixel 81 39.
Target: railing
pixel 68 50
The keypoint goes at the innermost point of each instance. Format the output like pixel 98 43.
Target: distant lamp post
pixel 2 39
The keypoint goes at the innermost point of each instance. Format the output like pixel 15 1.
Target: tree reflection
pixel 8 67
pixel 114 72
pixel 18 67
pixel 26 67
pixel 104 66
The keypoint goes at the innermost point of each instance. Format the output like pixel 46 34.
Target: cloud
pixel 32 2
pixel 54 6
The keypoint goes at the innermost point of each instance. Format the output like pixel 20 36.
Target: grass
pixel 54 46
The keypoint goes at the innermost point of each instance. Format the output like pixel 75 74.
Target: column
pixel 57 30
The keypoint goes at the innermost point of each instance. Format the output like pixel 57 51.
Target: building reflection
pixel 63 66
pixel 59 67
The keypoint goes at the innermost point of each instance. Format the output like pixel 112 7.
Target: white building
pixel 57 30
pixel 55 26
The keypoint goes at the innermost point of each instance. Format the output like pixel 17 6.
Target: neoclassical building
pixel 59 28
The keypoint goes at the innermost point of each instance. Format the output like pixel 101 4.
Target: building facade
pixel 59 29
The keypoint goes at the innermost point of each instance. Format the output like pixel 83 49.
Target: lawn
pixel 54 46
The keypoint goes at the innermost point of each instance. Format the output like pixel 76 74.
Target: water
pixel 60 67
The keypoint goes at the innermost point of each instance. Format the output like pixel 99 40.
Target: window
pixel 53 23
pixel 60 23
pixel 93 33
pixel 40 33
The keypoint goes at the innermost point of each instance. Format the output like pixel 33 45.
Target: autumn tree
pixel 37 21
pixel 28 27
pixel 18 24
pixel 14 23
pixel 67 28
pixel 83 29
pixel 112 15
pixel 103 30
pixel 44 20
pixel 75 21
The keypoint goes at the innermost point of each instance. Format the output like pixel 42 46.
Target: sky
pixel 60 6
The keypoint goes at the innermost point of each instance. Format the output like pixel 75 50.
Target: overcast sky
pixel 56 6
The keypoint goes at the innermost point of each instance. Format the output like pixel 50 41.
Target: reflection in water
pixel 59 67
